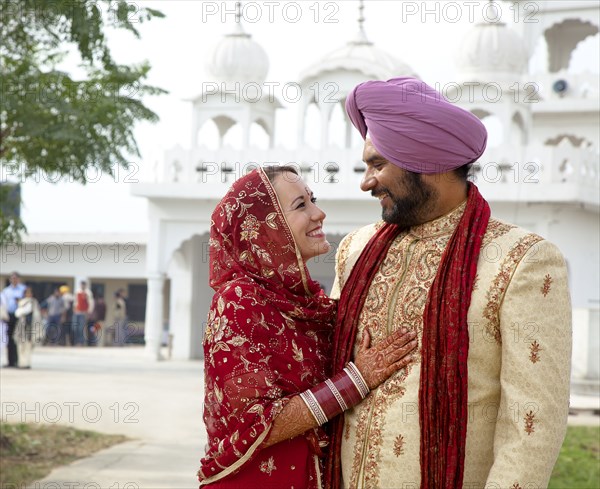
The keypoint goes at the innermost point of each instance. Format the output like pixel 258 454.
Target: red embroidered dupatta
pixel 267 339
pixel 445 345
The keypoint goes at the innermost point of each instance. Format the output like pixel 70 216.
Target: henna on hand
pixel 294 419
pixel 378 363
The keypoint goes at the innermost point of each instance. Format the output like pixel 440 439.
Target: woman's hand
pixel 380 362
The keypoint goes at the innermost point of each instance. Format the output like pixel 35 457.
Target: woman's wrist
pixel 337 394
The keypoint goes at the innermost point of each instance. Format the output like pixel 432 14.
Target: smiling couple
pixel 387 383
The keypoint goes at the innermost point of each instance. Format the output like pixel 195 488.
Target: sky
pixel 425 35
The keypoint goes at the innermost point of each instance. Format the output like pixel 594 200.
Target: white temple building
pixel 540 170
pixel 543 173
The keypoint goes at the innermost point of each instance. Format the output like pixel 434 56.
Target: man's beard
pixel 414 208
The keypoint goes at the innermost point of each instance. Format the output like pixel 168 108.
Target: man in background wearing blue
pixel 12 293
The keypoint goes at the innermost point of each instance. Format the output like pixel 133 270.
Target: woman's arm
pixel 375 365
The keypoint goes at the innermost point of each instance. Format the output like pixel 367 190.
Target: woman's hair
pixel 273 171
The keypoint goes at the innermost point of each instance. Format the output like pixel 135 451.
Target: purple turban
pixel 414 127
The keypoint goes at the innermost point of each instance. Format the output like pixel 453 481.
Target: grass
pixel 29 452
pixel 578 465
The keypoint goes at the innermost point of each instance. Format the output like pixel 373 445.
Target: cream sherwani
pixel 518 364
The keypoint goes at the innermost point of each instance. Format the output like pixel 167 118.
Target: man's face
pixel 406 199
pixel 14 279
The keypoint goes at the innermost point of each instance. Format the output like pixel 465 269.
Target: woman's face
pixel 303 216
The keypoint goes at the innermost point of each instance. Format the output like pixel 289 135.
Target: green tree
pixel 52 123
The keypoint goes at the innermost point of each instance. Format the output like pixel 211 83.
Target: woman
pixel 29 319
pixel 120 317
pixel 266 341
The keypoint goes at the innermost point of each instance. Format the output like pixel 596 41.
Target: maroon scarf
pixel 445 345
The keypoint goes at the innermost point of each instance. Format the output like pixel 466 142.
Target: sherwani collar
pixel 441 226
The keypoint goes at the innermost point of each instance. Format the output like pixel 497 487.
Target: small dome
pixel 360 55
pixel 237 58
pixel 491 48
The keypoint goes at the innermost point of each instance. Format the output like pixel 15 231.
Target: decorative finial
pixel 496 13
pixel 361 17
pixel 238 30
pixel 361 37
pixel 238 12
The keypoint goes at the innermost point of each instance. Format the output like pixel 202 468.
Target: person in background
pixel 120 317
pixel 96 322
pixel 83 307
pixel 3 323
pixel 67 316
pixel 55 306
pixel 29 321
pixel 13 293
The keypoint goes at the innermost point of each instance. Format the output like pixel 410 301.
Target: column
pixel 154 315
pixel 325 115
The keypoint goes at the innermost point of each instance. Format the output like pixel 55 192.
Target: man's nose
pixel 368 182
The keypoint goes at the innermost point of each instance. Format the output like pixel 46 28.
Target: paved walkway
pixel 117 390
pixel 114 390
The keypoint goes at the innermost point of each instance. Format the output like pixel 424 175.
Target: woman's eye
pixel 313 200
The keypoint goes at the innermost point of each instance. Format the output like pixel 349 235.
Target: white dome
pixel 491 48
pixel 237 58
pixel 359 55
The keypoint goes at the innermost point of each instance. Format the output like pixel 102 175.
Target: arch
pixel 312 126
pixel 337 126
pixel 585 57
pixel 518 131
pixel 259 134
pixel 480 113
pixel 539 59
pixel 209 135
pixel 234 137
pixel 575 141
pixel 562 39
pixel 495 130
pixel 224 123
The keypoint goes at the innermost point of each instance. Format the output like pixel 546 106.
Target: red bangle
pixel 332 397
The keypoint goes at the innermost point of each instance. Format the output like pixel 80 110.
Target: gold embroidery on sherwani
pixel 546 286
pixel 496 292
pixel 343 257
pixel 494 230
pixel 529 421
pixel 399 445
pixel 396 299
pixel 535 349
pixel 485 358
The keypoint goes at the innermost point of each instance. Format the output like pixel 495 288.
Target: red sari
pixel 267 339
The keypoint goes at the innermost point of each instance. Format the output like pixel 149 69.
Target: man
pixel 13 293
pixel 82 308
pixel 485 403
pixel 66 327
pixel 56 307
